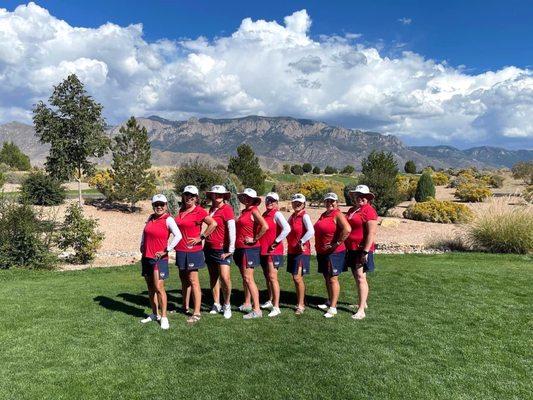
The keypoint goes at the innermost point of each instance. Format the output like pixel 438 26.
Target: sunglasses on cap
pixel 158 204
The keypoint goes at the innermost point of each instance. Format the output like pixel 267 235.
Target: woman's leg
pixel 185 290
pixel 273 284
pixel 225 282
pixel 266 273
pixel 334 288
pixel 196 290
pixel 300 288
pixel 247 297
pixel 214 281
pixel 362 289
pixel 159 285
pixel 152 294
pixel 328 288
pixel 249 282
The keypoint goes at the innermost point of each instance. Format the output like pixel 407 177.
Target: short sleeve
pixel 202 213
pixel 369 214
pixel 228 213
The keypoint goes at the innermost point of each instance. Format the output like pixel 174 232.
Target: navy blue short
pixel 190 261
pixel 277 260
pixel 214 257
pixel 353 260
pixel 248 258
pixel 331 264
pixel 151 264
pixel 295 261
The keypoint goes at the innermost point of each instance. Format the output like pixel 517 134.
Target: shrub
pixel 286 189
pixel 307 167
pixel 2 180
pixel 379 174
pixel 173 201
pixel 445 212
pixel 492 180
pixel 316 170
pixel 440 179
pixel 246 166
pixel 16 177
pixel 462 178
pixel 80 235
pixel 346 193
pixel 103 182
pixel 199 174
pixel 12 156
pixel 348 170
pixel 425 187
pixel 523 170
pixel 286 168
pixel 410 167
pixel 502 228
pixel 297 170
pixel 406 186
pixel 41 189
pixel 329 170
pixel 25 240
pixel 315 189
pixel 472 192
pixel 527 194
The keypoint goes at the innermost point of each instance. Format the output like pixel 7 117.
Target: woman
pixel 299 248
pixel 219 247
pixel 250 227
pixel 331 230
pixel 363 220
pixel 189 253
pixel 154 249
pixel 272 250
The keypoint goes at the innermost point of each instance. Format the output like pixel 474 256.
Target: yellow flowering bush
pixel 103 181
pixel 472 191
pixel 445 212
pixel 440 178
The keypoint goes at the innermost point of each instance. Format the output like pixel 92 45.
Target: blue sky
pixel 453 72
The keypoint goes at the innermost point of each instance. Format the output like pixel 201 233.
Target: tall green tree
pixel 73 125
pixel 410 167
pixel 379 174
pixel 131 163
pixel 246 166
pixel 425 188
pixel 14 157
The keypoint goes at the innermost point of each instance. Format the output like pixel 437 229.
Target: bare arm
pixel 340 220
pixel 211 225
pixel 372 226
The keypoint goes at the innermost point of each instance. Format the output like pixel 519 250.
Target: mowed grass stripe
pixel 439 327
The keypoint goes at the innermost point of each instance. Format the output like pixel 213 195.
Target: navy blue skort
pixel 277 261
pixel 297 261
pixel 193 261
pixel 214 257
pixel 331 264
pixel 151 264
pixel 354 260
pixel 249 258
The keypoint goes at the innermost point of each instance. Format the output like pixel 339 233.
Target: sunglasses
pixel 158 204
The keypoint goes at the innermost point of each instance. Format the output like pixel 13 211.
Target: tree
pixel 523 170
pixel 316 170
pixel 12 156
pixel 2 180
pixel 330 170
pixel 307 167
pixel 246 166
pixel 75 129
pixel 199 174
pixel 410 167
pixel 41 189
pixel 379 174
pixel 297 170
pixel 425 188
pixel 348 170
pixel 131 164
pixel 286 168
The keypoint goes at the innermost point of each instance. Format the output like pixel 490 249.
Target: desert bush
pixel 454 241
pixel 234 185
pixel 297 170
pixel 41 189
pixel 307 167
pixel 462 177
pixel 79 234
pixel 527 194
pixel 316 170
pixel 15 177
pixel 492 180
pixel 410 167
pixel 445 212
pixel 103 182
pixel 286 189
pixel 523 170
pixel 315 189
pixel 286 168
pixel 472 192
pixel 25 240
pixel 425 187
pixel 406 186
pixel 440 179
pixel 502 228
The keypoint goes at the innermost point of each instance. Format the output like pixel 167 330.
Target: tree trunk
pixel 79 188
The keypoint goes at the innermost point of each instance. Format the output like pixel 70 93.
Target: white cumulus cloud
pixel 264 68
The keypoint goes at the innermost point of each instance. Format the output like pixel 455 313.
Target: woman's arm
pixel 263 225
pixel 341 221
pixel 211 225
pixel 280 220
pixel 310 229
pixel 372 227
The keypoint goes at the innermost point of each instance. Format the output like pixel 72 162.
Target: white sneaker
pixel 267 305
pixel 150 318
pixel 245 308
pixel 332 311
pixel 252 315
pixel 324 306
pixel 215 309
pixel 275 312
pixel 164 323
pixel 227 311
pixel 359 315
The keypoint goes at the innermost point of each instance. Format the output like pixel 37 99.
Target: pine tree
pixel 74 128
pixel 425 187
pixel 379 174
pixel 131 164
pixel 246 166
pixel 12 156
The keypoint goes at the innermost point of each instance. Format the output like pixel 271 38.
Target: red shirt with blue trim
pixel 155 235
pixel 357 218
pixel 328 232
pixel 190 225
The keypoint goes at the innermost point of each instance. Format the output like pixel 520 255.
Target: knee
pixel 297 279
pixel 273 277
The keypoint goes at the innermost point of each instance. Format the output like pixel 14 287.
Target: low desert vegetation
pixel 446 212
pixel 473 192
pixel 39 188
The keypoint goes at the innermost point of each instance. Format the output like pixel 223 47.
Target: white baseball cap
pixel 190 189
pixel 331 196
pixel 272 195
pixel 219 189
pixel 251 193
pixel 298 197
pixel 364 190
pixel 159 198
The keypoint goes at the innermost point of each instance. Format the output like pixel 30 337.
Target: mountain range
pixel 279 140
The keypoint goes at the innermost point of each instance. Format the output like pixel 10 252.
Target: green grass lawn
pixel 455 326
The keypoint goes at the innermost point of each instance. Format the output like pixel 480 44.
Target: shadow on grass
pixel 115 305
